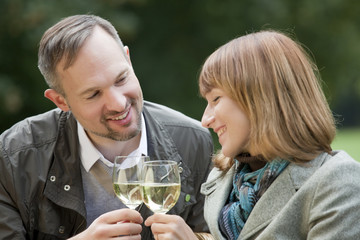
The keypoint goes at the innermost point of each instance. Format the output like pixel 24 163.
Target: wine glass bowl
pixel 127 179
pixel 161 185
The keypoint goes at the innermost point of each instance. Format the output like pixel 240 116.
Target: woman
pixel 276 176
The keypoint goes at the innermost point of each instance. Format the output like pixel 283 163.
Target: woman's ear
pixel 57 98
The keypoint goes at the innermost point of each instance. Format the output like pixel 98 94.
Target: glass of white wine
pixel 127 179
pixel 161 186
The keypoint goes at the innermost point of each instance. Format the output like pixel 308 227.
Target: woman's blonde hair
pixel 277 85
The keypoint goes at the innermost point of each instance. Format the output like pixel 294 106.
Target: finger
pixel 155 218
pixel 128 228
pixel 121 215
pixel 174 229
pixel 132 237
pixel 161 228
pixel 115 230
pixel 162 218
pixel 164 236
pixel 149 221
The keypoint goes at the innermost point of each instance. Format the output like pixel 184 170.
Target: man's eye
pixel 93 95
pixel 120 79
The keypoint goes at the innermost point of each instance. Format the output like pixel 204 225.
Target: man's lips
pixel 122 116
pixel 121 119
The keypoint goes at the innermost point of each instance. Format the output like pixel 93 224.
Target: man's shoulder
pixel 33 130
pixel 168 116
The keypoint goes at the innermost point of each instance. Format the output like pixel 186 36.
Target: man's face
pixel 102 90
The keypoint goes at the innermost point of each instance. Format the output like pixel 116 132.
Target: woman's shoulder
pixel 340 161
pixel 337 169
pixel 335 161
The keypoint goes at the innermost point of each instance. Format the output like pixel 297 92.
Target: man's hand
pixel 171 227
pixel 118 224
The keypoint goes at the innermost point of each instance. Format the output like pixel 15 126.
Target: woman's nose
pixel 207 118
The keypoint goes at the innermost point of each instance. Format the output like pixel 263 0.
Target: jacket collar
pixel 282 189
pixel 64 183
pixel 217 189
pixel 160 142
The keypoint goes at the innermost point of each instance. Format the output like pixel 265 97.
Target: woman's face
pixel 228 120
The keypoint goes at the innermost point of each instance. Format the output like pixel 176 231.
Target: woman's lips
pixel 220 131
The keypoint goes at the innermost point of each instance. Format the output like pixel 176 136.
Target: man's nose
pixel 115 100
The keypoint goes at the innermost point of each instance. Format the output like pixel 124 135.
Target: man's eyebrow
pixel 92 89
pixel 88 91
pixel 121 73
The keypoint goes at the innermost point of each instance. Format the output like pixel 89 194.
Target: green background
pixel 170 39
pixel 348 140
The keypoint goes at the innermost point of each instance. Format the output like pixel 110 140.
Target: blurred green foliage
pixel 169 40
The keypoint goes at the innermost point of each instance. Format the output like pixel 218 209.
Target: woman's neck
pixel 255 162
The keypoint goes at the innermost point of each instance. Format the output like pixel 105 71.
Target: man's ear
pixel 127 51
pixel 57 98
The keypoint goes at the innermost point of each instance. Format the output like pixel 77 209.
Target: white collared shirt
pixel 89 153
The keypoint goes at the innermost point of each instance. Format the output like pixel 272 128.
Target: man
pixel 56 167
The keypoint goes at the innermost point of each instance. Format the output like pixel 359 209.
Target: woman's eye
pixel 215 99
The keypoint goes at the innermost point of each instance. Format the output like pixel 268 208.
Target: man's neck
pixel 110 148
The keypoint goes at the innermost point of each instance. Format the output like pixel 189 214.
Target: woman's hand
pixel 118 224
pixel 171 227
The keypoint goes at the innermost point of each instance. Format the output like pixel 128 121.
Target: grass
pixel 348 139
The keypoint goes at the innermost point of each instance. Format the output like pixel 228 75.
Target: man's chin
pixel 116 136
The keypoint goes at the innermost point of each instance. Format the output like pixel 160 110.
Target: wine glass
pixel 127 179
pixel 161 186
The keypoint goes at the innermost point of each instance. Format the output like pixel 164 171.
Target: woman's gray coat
pixel 317 200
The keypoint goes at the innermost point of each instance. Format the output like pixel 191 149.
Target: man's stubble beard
pixel 118 136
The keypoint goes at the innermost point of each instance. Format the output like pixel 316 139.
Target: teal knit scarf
pixel 248 187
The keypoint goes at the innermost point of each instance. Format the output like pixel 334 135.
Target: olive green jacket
pixel 317 200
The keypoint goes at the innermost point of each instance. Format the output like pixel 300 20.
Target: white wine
pixel 160 197
pixel 129 193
